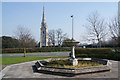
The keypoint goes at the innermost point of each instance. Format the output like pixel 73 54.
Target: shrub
pixel 44 49
pixel 102 53
pixel 13 50
pixel 93 50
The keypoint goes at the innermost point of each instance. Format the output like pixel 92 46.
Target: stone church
pixel 43 31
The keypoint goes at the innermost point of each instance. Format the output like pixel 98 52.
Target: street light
pixel 72 27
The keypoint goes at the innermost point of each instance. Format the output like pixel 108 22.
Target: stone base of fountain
pixel 73 61
pixel 74 71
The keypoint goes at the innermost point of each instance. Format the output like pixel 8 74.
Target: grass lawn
pixel 15 60
pixel 66 64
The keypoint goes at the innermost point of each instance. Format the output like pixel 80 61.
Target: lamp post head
pixel 72 16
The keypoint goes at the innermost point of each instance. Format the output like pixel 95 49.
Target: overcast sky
pixel 29 14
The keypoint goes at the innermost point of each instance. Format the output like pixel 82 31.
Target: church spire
pixel 43 19
pixel 44 31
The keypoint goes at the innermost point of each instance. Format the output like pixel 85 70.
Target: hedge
pixel 93 50
pixel 102 53
pixel 30 50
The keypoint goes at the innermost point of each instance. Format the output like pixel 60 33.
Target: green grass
pixel 15 60
pixel 33 52
pixel 66 64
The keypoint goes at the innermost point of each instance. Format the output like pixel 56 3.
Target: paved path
pixel 26 70
pixel 37 54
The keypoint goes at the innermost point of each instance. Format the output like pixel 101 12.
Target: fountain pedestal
pixel 72 59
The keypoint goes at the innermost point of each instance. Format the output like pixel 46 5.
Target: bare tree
pixel 96 28
pixel 51 36
pixel 25 37
pixel 60 36
pixel 114 27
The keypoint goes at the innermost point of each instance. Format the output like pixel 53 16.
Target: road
pixel 37 54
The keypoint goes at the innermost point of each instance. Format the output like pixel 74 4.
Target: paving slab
pixel 27 70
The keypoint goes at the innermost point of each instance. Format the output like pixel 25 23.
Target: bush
pixel 93 50
pixel 13 50
pixel 30 50
pixel 102 53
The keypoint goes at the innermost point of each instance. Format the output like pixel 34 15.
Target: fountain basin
pixel 71 43
pixel 75 71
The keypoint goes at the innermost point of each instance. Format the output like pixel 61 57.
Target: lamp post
pixel 72 27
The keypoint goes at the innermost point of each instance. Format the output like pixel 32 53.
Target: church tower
pixel 44 31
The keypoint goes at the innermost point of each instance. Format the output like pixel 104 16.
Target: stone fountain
pixel 72 44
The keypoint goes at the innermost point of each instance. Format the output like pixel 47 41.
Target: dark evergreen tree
pixel 9 42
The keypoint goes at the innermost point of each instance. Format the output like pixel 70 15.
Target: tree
pixel 60 36
pixel 114 27
pixel 25 38
pixel 96 28
pixel 9 42
pixel 51 36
